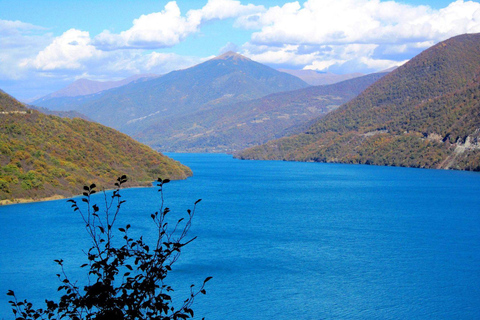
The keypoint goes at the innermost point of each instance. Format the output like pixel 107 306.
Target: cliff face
pixel 424 114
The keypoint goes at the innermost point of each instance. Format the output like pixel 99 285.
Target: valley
pixel 423 114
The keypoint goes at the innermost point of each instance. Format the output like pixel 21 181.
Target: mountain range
pixel 84 87
pixel 44 155
pixel 223 80
pixel 222 105
pixel 253 122
pixel 424 114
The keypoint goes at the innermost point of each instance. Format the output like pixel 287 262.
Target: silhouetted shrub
pixel 128 280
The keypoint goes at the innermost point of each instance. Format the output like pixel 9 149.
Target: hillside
pixel 226 79
pixel 43 156
pixel 249 123
pixel 423 114
pixel 318 78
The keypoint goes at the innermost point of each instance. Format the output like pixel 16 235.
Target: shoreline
pixel 8 202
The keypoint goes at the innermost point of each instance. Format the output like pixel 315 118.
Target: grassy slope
pixel 43 155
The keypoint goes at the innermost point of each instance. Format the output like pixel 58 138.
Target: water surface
pixel 286 240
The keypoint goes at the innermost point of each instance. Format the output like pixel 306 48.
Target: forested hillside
pixel 423 114
pixel 43 156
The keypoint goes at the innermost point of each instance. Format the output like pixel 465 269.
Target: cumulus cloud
pixel 168 27
pixel 366 34
pixel 73 53
pixel 363 21
pixel 155 30
pixel 65 52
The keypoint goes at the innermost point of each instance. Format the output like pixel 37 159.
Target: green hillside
pixel 423 114
pixel 43 156
pixel 249 123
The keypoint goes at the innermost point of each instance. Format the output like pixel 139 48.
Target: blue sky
pixel 47 44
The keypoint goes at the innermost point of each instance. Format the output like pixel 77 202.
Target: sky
pixel 47 44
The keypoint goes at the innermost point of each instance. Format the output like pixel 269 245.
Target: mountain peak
pixel 230 55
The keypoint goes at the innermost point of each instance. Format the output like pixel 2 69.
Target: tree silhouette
pixel 129 281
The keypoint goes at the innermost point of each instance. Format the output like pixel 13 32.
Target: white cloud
pixel 230 46
pixel 224 9
pixel 155 30
pixel 167 28
pixel 363 21
pixel 65 52
pixel 334 58
pixel 365 34
pixel 73 54
pixel 9 28
pixel 19 40
pixel 161 63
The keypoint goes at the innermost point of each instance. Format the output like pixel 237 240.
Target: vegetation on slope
pixel 42 156
pixel 424 114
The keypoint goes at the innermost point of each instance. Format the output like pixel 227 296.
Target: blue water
pixel 286 240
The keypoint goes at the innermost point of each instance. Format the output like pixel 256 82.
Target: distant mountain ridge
pixel 424 114
pixel 43 156
pixel 83 87
pixel 316 78
pixel 253 122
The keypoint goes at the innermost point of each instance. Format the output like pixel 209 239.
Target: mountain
pixel 425 113
pixel 43 156
pixel 318 78
pixel 84 87
pixel 226 79
pixel 249 123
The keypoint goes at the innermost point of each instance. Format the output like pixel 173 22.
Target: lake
pixel 285 240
